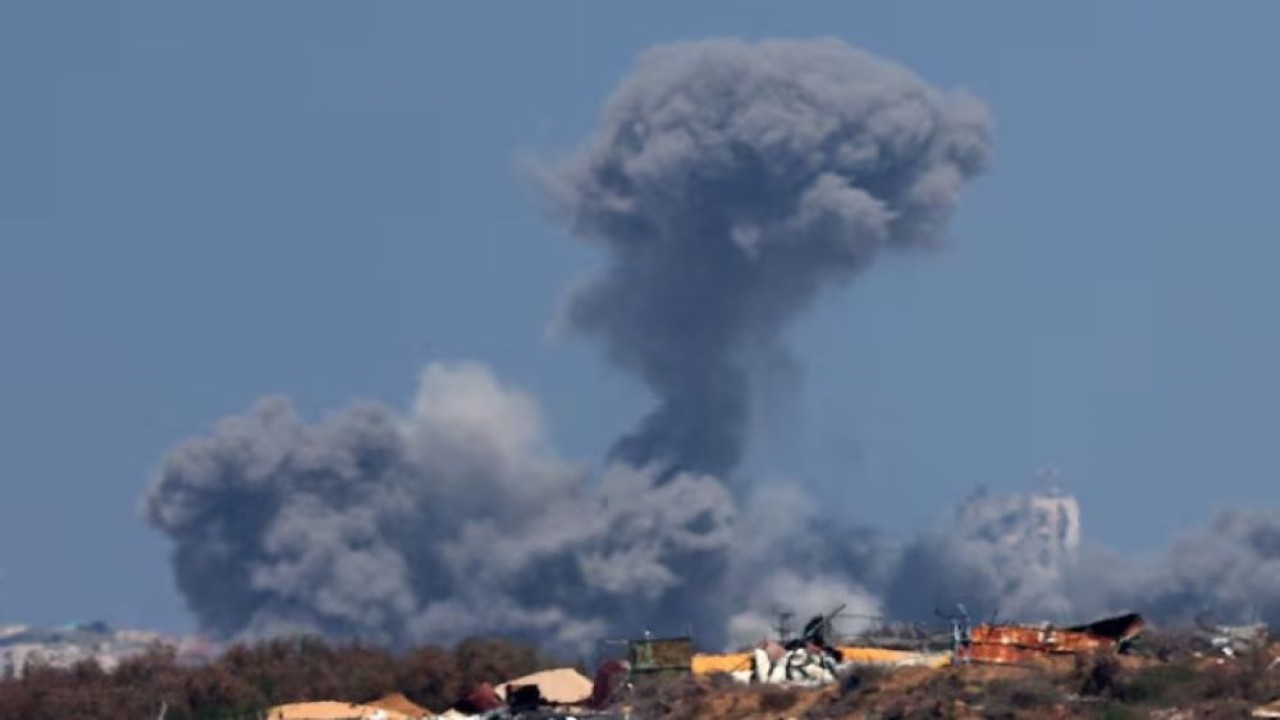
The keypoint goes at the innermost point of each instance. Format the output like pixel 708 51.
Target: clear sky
pixel 202 203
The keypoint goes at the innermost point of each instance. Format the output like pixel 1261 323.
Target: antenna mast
pixel 783 625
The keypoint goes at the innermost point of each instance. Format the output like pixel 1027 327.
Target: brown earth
pixel 1103 685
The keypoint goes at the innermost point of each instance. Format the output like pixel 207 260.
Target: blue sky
pixel 204 203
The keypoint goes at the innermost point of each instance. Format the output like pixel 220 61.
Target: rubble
pixel 735 664
pixel 1232 640
pixel 1012 644
pixel 1024 669
pixel 802 666
pixel 810 660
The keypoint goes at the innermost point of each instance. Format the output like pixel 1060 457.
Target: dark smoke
pixel 453 519
pixel 730 182
pixel 1006 555
pixel 1022 558
pixel 1229 569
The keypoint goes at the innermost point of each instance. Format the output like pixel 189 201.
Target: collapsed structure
pixel 1012 644
pixel 814 660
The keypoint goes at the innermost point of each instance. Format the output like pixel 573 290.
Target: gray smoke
pixel 452 519
pixel 1010 555
pixel 1229 569
pixel 731 181
pixel 788 555
pixel 1022 556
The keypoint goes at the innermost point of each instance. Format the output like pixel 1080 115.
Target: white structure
pixel 1026 542
pixel 21 646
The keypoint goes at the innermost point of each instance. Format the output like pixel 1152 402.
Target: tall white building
pixel 1026 543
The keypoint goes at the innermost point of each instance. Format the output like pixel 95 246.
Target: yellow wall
pixel 708 664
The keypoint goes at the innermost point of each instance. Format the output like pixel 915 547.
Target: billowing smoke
pixel 730 182
pixel 1009 555
pixel 452 519
pixel 789 556
pixel 1229 569
pixel 1022 557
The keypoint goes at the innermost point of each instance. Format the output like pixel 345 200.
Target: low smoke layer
pixel 729 182
pixel 999 554
pixel 1021 557
pixel 1229 569
pixel 452 519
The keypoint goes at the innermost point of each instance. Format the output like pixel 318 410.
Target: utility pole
pixel 961 637
pixel 783 626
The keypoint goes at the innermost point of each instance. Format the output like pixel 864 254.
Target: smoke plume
pixel 1010 555
pixel 1022 557
pixel 730 182
pixel 1229 569
pixel 450 520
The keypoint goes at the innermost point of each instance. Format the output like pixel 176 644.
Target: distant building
pixel 21 646
pixel 1013 552
pixel 1042 530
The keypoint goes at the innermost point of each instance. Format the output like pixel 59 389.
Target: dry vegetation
pixel 1168 676
pixel 247 679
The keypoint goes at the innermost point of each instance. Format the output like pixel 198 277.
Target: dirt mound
pixel 397 702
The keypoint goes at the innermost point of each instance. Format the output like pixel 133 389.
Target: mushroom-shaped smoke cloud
pixel 729 182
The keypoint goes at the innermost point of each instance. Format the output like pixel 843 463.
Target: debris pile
pixel 810 660
pixel 1013 644
pixel 803 666
pixel 988 670
pixel 1232 640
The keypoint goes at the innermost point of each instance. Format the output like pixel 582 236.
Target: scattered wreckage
pixel 814 658
pixel 810 660
pixel 1015 644
pixel 1232 640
